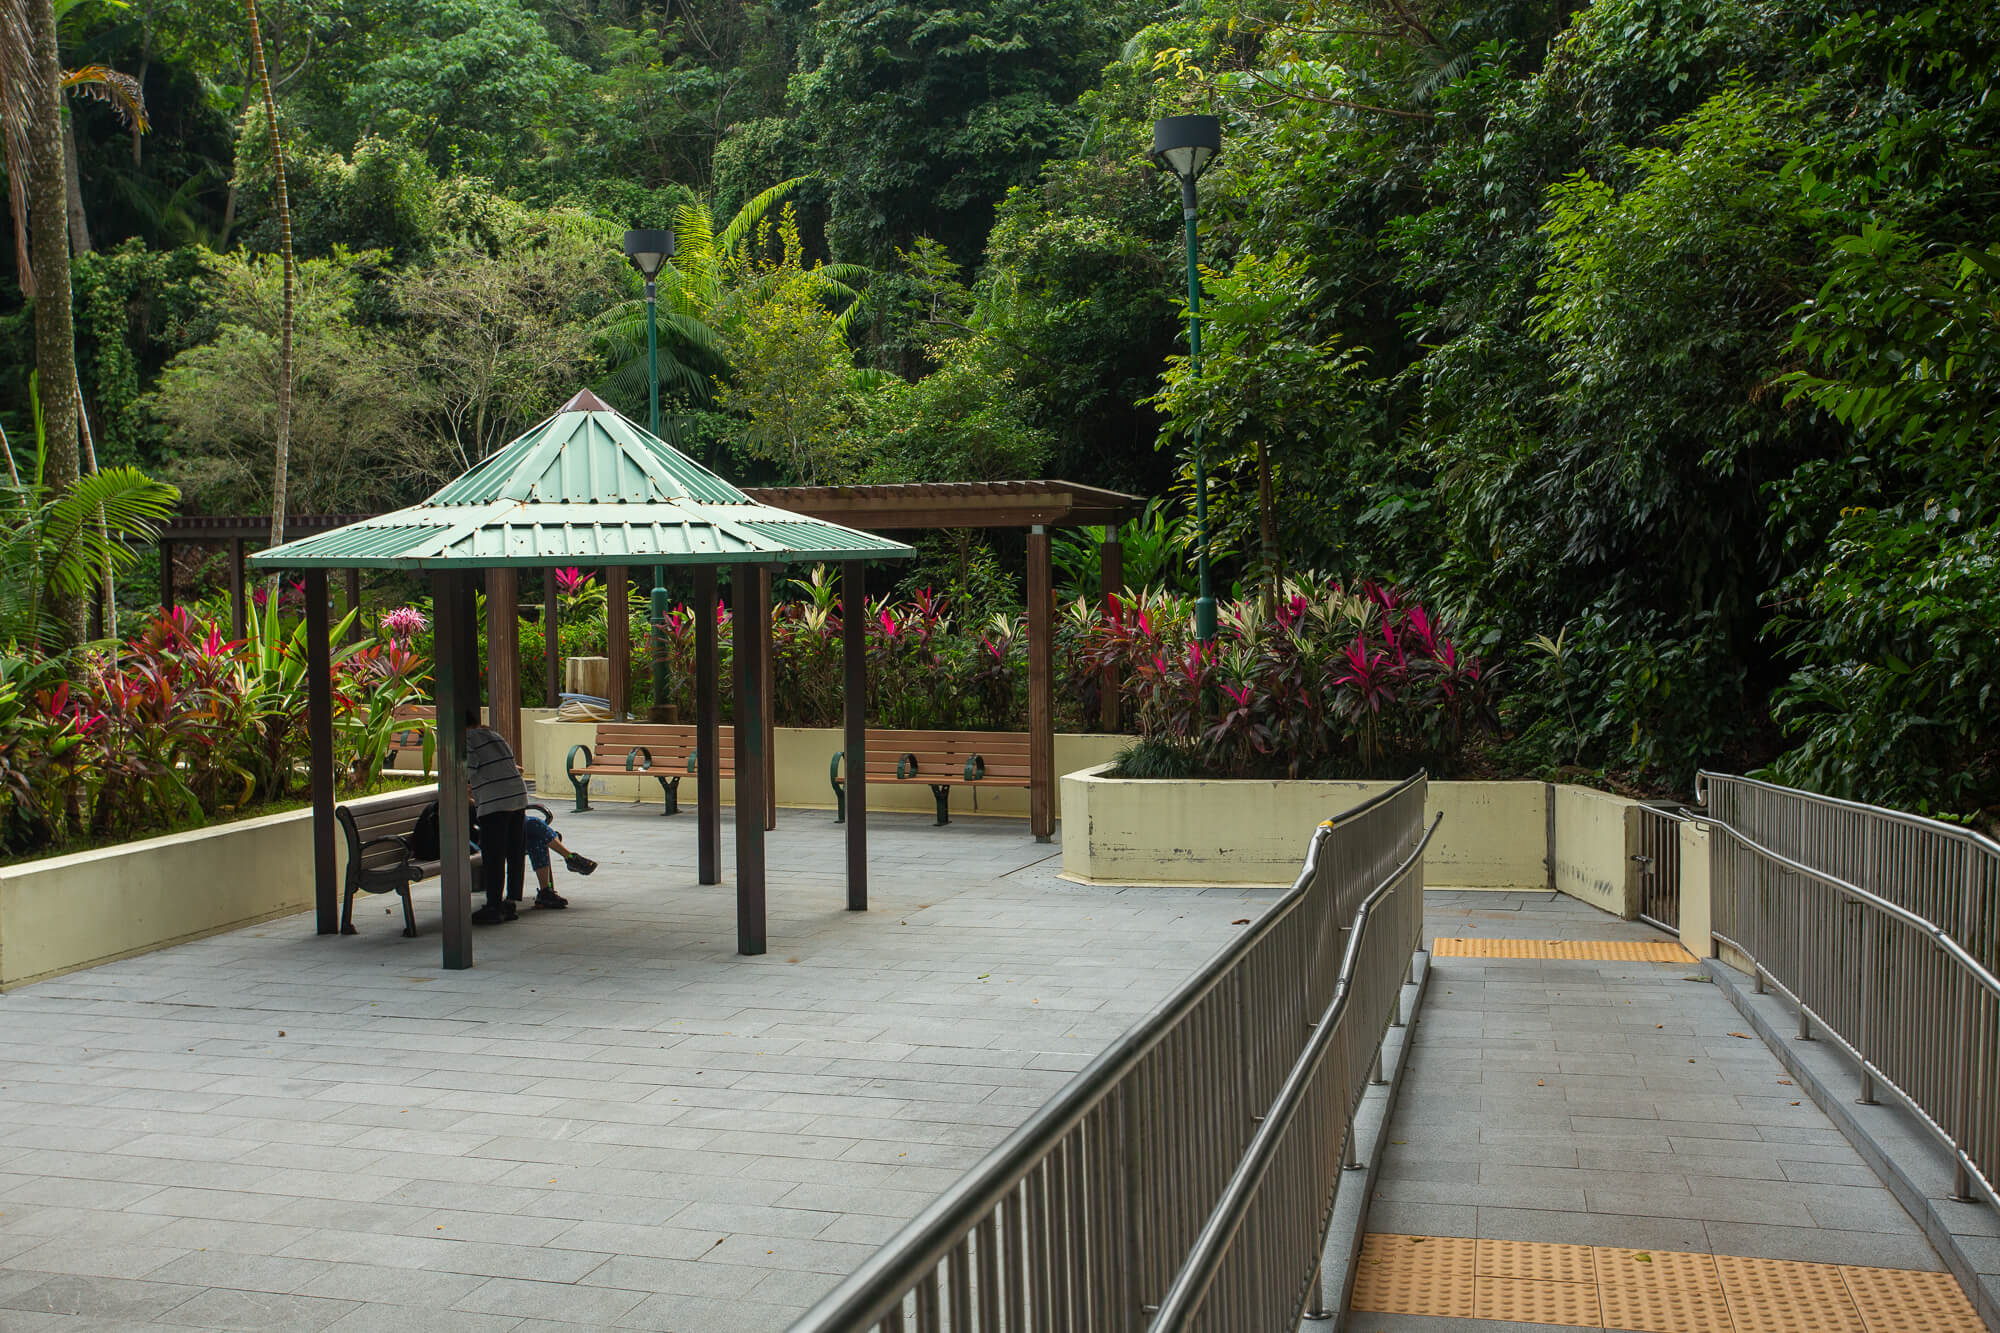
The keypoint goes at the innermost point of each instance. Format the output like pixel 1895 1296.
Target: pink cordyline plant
pixel 571 581
pixel 404 623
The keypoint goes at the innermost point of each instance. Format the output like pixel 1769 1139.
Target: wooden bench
pixel 940 760
pixel 422 723
pixel 662 751
pixel 379 856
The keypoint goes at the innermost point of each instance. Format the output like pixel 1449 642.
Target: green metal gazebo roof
pixel 584 487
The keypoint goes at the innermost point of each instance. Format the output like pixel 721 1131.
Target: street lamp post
pixel 1184 146
pixel 648 251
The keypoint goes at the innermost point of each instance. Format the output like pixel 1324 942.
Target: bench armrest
pixel 833 769
pixel 975 768
pixel 548 815
pixel 401 844
pixel 634 753
pixel 906 767
pixel 569 761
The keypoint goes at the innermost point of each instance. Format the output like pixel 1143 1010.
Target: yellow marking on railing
pixel 1602 951
pixel 1651 1291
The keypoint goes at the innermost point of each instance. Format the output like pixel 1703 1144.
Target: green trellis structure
pixel 587 487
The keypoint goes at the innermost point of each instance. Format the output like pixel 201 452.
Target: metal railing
pixel 1882 928
pixel 1082 1218
pixel 1656 862
pixel 1257 1265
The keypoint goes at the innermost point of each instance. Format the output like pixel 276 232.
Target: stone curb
pixel 1905 1154
pixel 1371 1132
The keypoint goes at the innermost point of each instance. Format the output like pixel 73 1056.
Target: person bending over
pixel 500 800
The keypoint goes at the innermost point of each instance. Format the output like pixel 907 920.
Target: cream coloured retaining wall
pixel 1123 830
pixel 803 754
pixel 74 911
pixel 1595 832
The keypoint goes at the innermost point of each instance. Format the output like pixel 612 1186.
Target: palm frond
pixel 103 518
pixel 748 216
pixel 119 90
pixel 17 112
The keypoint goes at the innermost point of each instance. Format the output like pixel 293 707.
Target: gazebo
pixel 587 487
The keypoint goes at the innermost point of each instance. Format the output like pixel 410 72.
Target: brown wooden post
pixel 769 698
pixel 854 657
pixel 319 727
pixel 239 619
pixel 503 655
pixel 354 605
pixel 552 681
pixel 749 762
pixel 707 732
pixel 618 628
pixel 1041 670
pixel 1111 584
pixel 451 607
pixel 166 575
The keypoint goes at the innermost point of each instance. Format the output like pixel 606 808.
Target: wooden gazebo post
pixel 451 614
pixel 748 641
pixel 1041 672
pixel 707 731
pixel 854 662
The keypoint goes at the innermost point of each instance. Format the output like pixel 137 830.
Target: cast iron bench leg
pixel 347 914
pixel 409 914
pixel 670 795
pixel 943 795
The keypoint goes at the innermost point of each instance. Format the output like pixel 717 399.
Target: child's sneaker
pixel 579 865
pixel 550 898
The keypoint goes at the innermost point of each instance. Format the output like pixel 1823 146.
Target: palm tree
pixel 55 545
pixel 281 464
pixel 693 287
pixel 40 175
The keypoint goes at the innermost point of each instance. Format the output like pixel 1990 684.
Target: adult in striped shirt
pixel 500 802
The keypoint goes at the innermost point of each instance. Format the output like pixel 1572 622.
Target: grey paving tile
pixel 99 1297
pixel 592 1306
pixel 256 1312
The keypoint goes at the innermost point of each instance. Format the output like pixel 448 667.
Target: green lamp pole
pixel 648 251
pixel 1184 146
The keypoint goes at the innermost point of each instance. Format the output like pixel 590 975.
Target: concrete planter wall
pixel 74 911
pixel 1495 835
pixel 803 754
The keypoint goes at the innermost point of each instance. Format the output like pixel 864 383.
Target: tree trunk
pixel 48 222
pixel 283 458
pixel 79 221
pixel 1267 523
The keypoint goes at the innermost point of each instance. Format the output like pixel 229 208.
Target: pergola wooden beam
pixel 909 506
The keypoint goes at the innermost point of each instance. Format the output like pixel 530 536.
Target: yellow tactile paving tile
pixel 1587 951
pixel 1901 1300
pixel 1415 1275
pixel 1522 1300
pixel 1537 1261
pixel 1650 1291
pixel 1660 1291
pixel 1778 1296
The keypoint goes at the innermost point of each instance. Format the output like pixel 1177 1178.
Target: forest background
pixel 1655 344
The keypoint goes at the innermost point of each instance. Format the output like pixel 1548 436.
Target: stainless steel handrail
pixel 1908 996
pixel 1079 1220
pixel 1309 1129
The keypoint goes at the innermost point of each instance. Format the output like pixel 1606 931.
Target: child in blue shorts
pixel 540 837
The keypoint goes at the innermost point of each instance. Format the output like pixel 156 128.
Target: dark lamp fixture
pixel 1185 145
pixel 649 250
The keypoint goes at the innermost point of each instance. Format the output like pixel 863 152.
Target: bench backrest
pixel 669 743
pixel 944 754
pixel 391 817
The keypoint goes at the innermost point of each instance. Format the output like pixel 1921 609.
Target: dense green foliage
pixel 1651 343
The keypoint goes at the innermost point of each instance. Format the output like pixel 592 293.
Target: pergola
pixel 1038 506
pixel 587 487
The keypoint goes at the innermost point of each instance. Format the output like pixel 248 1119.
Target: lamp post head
pixel 1185 145
pixel 649 250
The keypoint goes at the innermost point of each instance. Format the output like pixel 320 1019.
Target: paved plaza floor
pixel 612 1121
pixel 1621 1119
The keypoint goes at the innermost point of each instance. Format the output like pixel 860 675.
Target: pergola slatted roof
pixel 904 506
